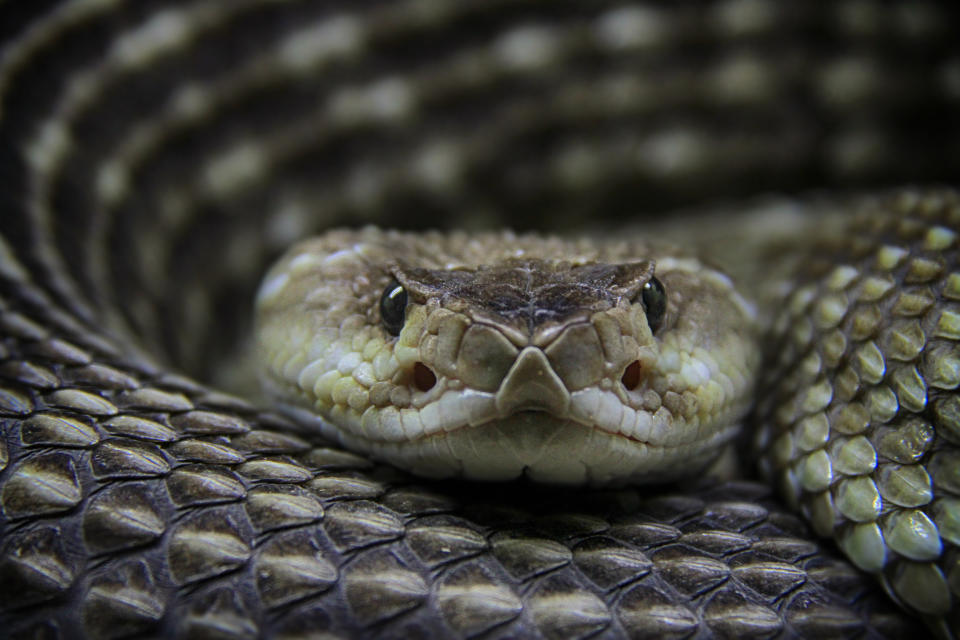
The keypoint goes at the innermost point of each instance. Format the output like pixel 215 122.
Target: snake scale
pixel 156 156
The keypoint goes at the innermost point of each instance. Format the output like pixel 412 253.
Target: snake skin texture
pixel 860 424
pixel 155 156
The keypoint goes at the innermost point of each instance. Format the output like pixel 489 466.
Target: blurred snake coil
pixel 157 156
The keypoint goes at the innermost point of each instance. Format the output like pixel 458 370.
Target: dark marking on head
pixel 529 294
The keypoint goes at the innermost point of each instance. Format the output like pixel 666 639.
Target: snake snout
pixel 544 379
pixel 532 385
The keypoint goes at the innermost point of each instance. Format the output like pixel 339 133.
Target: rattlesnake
pixel 157 155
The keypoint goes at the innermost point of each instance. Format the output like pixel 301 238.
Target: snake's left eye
pixel 654 300
pixel 393 306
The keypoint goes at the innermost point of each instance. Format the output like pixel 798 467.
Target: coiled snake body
pixel 157 155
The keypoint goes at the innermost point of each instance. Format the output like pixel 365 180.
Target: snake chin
pixel 537 446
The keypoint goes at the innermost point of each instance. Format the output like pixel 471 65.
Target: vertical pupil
pixel 654 300
pixel 393 304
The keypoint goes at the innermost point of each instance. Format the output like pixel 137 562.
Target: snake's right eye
pixel 654 299
pixel 393 307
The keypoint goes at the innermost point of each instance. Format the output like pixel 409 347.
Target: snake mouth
pixel 542 447
pixel 558 422
pixel 455 411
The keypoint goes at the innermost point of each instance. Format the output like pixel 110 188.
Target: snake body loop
pixel 156 156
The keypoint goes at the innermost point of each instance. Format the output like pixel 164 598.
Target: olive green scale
pixel 860 429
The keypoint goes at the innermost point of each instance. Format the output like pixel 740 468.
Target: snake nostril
pixel 423 377
pixel 631 376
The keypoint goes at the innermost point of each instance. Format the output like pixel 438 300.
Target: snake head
pixel 498 356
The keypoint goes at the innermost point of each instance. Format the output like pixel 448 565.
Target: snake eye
pixel 654 300
pixel 393 306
